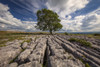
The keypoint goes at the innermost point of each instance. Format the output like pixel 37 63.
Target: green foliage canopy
pixel 48 20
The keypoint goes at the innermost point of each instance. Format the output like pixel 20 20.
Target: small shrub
pixel 72 39
pixel 66 33
pixel 96 34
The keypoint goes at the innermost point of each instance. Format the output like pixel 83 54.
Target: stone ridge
pixel 48 51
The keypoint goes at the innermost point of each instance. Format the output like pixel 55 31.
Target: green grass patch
pixel 23 49
pixel 87 65
pixel 96 36
pixel 36 38
pixel 3 42
pixel 28 41
pixel 6 36
pixel 81 41
pixel 9 38
pixel 81 60
pixel 2 45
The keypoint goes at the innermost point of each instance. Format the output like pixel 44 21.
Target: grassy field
pixel 6 36
pixel 95 35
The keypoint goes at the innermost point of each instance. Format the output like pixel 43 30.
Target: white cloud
pixel 72 25
pixel 9 22
pixel 91 22
pixel 66 7
pixel 83 23
pixel 7 17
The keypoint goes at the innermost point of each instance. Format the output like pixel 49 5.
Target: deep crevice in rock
pixel 45 56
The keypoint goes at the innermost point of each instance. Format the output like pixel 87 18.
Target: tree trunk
pixel 50 31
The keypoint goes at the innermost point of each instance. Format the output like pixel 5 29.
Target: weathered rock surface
pixel 49 51
pixel 23 56
pixel 31 64
pixel 59 58
pixel 13 64
pixel 24 45
pixel 81 52
pixel 38 52
pixel 8 53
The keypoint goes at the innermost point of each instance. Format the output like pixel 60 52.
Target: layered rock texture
pixel 49 51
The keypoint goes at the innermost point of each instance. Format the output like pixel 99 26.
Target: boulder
pixel 24 45
pixel 31 64
pixel 13 64
pixel 8 53
pixel 23 56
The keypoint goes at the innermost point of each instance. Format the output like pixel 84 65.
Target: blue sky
pixel 75 15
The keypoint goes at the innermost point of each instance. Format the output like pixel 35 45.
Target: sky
pixel 75 15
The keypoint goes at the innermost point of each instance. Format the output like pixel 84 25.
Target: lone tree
pixel 48 20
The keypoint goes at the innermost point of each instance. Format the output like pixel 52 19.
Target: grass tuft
pixel 2 45
pixel 87 65
pixel 13 60
pixel 66 33
pixel 81 41
pixel 28 41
